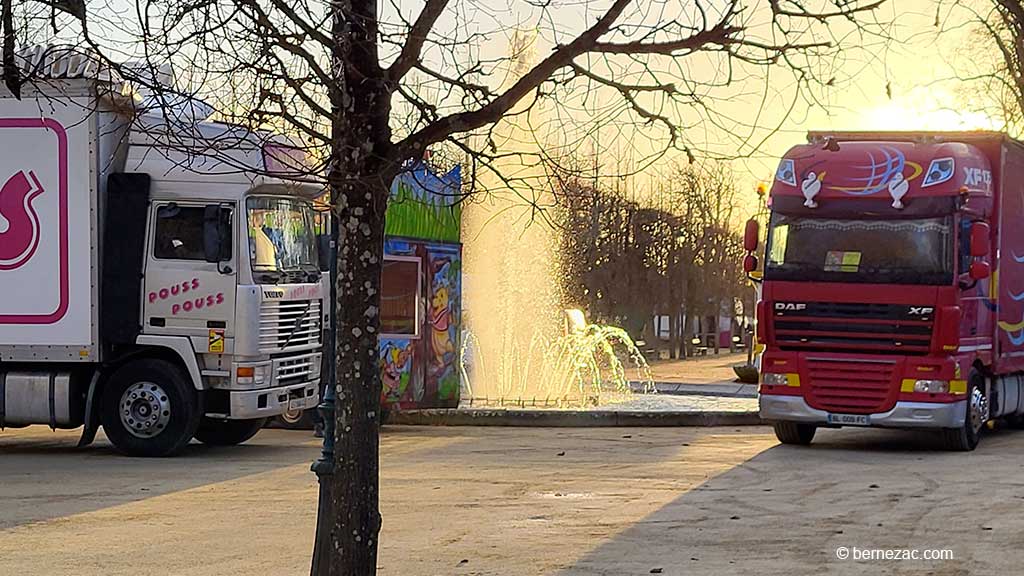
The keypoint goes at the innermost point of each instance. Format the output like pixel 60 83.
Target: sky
pixel 901 82
pixel 903 77
pixel 919 68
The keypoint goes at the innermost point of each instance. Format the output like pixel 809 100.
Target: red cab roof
pixel 831 167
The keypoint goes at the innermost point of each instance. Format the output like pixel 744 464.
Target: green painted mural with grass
pixel 425 205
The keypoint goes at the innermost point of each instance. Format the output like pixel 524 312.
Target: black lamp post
pixel 324 466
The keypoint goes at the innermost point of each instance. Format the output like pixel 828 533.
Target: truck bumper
pixel 251 404
pixel 903 415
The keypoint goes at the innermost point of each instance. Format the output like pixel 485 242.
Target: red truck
pixel 893 284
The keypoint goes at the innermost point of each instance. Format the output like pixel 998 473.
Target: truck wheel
pixel 220 432
pixel 149 408
pixel 795 432
pixel 966 437
pixel 295 420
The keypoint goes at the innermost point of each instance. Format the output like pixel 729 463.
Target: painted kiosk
pixel 421 299
pixel 421 291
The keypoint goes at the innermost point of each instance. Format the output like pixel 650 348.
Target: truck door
pixel 976 305
pixel 186 295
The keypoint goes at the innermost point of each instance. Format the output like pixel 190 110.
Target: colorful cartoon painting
pixel 419 370
pixel 396 369
pixel 423 221
pixel 444 315
pixel 425 205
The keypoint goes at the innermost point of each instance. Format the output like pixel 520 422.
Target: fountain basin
pixel 571 418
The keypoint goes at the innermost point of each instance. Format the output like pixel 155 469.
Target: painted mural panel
pixel 425 205
pixel 444 267
pixel 422 225
pixel 402 384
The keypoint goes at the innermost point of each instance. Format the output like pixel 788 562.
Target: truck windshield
pixel 281 235
pixel 916 251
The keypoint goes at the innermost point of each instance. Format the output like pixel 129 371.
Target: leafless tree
pixel 612 254
pixel 993 81
pixel 675 251
pixel 707 198
pixel 367 86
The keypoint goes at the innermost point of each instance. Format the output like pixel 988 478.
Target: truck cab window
pixel 179 233
pixel 965 246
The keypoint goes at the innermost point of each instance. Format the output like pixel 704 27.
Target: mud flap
pixel 91 425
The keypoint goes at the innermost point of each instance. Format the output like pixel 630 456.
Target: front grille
pixel 289 324
pixel 853 327
pixel 295 369
pixel 855 387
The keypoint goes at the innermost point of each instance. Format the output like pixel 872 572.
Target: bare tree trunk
pixel 673 334
pixel 354 492
pixel 716 329
pixel 687 336
pixel 681 315
pixel 360 179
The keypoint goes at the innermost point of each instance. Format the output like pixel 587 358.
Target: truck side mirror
pixel 323 245
pixel 750 235
pixel 980 243
pixel 979 270
pixel 216 233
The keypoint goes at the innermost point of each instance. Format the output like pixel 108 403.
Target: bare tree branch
pixel 410 54
pixel 492 112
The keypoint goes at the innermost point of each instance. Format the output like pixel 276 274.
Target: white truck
pixel 160 294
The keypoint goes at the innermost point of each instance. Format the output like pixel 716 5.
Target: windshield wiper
pixel 796 267
pixel 896 270
pixel 306 272
pixel 264 276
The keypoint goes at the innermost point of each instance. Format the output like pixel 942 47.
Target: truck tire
pixel 220 432
pixel 966 437
pixel 795 432
pixel 149 408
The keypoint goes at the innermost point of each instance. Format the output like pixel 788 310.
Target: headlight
pixel 314 368
pixel 931 386
pixel 775 379
pixel 253 375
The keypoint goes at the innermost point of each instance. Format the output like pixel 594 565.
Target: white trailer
pixel 157 293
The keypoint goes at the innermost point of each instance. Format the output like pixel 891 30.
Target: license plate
pixel 849 419
pixel 297 404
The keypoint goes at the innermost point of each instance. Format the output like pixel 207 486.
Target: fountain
pixel 521 347
pixel 589 365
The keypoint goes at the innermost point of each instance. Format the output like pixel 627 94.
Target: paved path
pixel 700 370
pixel 509 502
pixel 702 376
pixel 717 389
pixel 683 403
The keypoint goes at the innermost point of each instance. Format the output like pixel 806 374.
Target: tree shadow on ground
pixel 76 480
pixel 788 509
